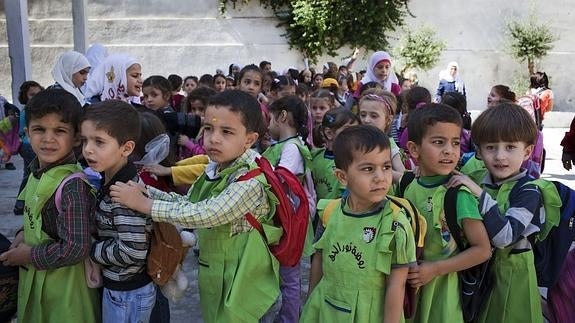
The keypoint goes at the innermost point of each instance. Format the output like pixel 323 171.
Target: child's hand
pixel 18 256
pixel 421 274
pixel 18 239
pixel 132 195
pixel 567 160
pixel 158 170
pixel 183 140
pixel 459 178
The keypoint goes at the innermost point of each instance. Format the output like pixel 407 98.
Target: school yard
pixel 187 310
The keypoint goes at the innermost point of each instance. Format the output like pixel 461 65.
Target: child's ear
pixel 128 147
pixel 341 176
pixel 478 153
pixel 528 151
pixel 413 149
pixel 251 139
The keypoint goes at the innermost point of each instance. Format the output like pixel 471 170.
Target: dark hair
pixel 458 101
pixel 175 81
pixel 218 76
pixel 193 78
pixel 202 94
pixel 427 116
pixel 415 96
pixel 333 119
pixel 245 105
pixel 280 82
pixel 105 114
pixel 250 68
pixel 369 85
pixel 206 80
pixel 294 106
pixel 150 127
pixel 24 87
pixel 58 101
pixel 264 63
pixel 293 73
pixel 504 92
pixel 324 94
pixel 301 77
pixel 362 139
pixel 332 70
pixel 161 83
pixel 504 122
pixel 539 79
pixel 302 89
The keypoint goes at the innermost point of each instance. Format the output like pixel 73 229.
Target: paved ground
pixel 187 310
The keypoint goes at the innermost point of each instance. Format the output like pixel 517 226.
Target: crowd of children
pixel 176 149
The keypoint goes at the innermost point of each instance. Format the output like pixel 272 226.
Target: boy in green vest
pixel 52 246
pixel 238 275
pixel 110 130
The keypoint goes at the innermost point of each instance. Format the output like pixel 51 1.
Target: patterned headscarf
pixel 109 80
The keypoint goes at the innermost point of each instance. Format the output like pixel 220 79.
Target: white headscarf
pixel 109 80
pixel 67 64
pixel 446 75
pixel 370 76
pixel 96 54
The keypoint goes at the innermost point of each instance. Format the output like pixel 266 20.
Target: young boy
pixel 123 234
pixel 52 246
pixel 365 251
pixel 511 210
pixel 434 139
pixel 238 276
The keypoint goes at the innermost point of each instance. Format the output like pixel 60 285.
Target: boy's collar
pixel 37 171
pixel 126 173
pixel 488 180
pixel 433 181
pixel 247 157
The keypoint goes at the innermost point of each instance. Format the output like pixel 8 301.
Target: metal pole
pixel 80 25
pixel 18 44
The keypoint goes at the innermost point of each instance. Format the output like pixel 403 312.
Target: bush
pixel 419 49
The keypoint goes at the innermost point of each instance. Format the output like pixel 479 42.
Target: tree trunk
pixel 530 66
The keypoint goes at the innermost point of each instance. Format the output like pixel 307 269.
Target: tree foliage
pixel 528 40
pixel 317 27
pixel 419 48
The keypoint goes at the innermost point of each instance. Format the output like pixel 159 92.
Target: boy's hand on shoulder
pixel 132 195
pixel 18 256
pixel 422 274
pixel 460 179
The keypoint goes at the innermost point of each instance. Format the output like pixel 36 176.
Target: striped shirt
pixel 230 206
pixel 523 217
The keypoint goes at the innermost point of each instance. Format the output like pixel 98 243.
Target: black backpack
pixel 8 285
pixel 475 283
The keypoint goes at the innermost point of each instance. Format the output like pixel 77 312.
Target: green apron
pixel 358 252
pixel 53 295
pixel 238 275
pixel 515 296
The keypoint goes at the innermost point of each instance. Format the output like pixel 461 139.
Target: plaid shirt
pixel 230 206
pixel 71 230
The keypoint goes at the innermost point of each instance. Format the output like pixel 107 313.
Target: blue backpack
pixel 552 243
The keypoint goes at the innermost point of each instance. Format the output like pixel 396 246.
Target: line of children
pixel 434 139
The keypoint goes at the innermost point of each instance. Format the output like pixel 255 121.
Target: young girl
pixel 500 93
pixel 380 70
pixel 118 77
pixel 325 183
pixel 288 126
pixel 539 85
pixel 415 98
pixel 342 90
pixel 190 84
pixel 250 81
pixel 281 86
pixel 70 73
pixel 195 104
pixel 317 80
pixel 320 103
pixel 376 108
pixel 219 82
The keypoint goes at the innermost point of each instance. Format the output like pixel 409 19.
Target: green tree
pixel 316 27
pixel 528 40
pixel 419 48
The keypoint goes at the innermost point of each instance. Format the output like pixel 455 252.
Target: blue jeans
pixel 133 306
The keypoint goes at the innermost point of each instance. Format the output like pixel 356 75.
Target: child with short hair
pixel 360 268
pixel 52 246
pixel 434 138
pixel 123 233
pixel 216 205
pixel 511 210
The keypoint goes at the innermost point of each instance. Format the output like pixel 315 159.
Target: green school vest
pixel 326 184
pixel 53 295
pixel 238 275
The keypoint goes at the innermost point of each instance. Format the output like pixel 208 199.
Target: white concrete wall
pixel 191 38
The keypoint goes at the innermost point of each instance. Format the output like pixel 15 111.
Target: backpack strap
pixel 404 182
pixel 450 210
pixel 58 195
pixel 250 217
pixel 410 211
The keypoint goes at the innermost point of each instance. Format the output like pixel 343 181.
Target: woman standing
pixel 449 81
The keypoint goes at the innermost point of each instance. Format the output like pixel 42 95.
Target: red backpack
pixel 292 211
pixel 531 104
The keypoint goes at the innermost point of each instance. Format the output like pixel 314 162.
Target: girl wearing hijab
pixel 118 77
pixel 449 81
pixel 70 73
pixel 380 70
